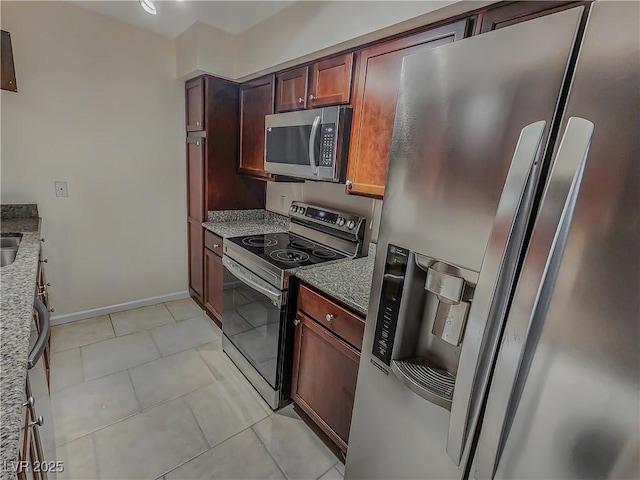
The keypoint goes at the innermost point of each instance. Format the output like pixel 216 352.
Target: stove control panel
pixel 339 220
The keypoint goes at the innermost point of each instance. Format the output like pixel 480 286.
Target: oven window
pixel 289 145
pixel 252 323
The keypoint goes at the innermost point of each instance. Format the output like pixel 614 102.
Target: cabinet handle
pixel 30 401
pixel 216 245
pixel 300 100
pixel 38 421
pixel 296 322
pixel 312 97
pixel 45 260
pixel 198 123
pixel 198 143
pixel 329 317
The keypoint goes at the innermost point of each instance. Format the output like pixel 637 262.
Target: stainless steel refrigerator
pixel 503 329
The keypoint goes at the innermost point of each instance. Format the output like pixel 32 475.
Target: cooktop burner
pixel 302 244
pixel 286 250
pixel 287 255
pixel 322 253
pixel 259 241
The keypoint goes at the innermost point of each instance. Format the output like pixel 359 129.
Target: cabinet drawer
pixel 337 319
pixel 213 242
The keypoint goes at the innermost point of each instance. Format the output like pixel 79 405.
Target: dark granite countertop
pixel 348 281
pixel 18 282
pixel 234 223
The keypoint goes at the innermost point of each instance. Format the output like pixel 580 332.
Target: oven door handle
pixel 312 145
pixel 252 280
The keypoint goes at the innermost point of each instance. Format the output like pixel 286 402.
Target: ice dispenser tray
pixel 421 321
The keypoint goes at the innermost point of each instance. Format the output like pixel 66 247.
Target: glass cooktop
pixel 286 250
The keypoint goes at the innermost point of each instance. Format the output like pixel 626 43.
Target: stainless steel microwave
pixel 310 144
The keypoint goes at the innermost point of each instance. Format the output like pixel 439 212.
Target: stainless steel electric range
pixel 258 305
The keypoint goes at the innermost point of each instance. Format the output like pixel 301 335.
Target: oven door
pixel 253 310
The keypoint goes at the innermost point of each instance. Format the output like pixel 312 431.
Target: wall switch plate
pixel 61 189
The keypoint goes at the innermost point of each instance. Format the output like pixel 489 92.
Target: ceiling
pixel 175 16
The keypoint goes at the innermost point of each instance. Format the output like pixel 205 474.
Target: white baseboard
pixel 96 312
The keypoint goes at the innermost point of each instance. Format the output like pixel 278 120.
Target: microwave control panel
pixel 395 270
pixel 327 144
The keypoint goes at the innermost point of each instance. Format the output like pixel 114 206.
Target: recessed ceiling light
pixel 148 6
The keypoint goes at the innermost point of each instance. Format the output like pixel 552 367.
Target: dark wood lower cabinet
pixel 325 370
pixel 213 283
pixel 195 240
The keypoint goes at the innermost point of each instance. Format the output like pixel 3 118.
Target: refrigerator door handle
pixel 494 283
pixel 527 312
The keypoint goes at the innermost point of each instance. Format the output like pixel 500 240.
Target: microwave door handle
pixel 312 144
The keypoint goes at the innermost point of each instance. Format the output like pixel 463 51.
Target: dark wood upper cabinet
pixel 378 81
pixel 195 104
pixel 292 87
pixel 325 371
pixel 510 13
pixel 331 81
pixel 256 101
pixel 8 69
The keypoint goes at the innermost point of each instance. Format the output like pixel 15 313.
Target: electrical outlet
pixel 61 189
pixel 282 198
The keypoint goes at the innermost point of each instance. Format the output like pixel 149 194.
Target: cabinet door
pixel 194 100
pixel 291 89
pixel 516 12
pixel 331 81
pixel 195 178
pixel 213 283
pixel 256 101
pixel 196 246
pixel 378 81
pixel 8 71
pixel 325 370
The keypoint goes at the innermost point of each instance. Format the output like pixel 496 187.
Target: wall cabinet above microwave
pixel 327 82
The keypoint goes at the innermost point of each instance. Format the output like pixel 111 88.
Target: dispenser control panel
pixel 395 270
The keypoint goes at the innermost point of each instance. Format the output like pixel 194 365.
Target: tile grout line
pixel 267 449
pixel 208 450
pixel 195 419
pixel 332 466
pixel 133 389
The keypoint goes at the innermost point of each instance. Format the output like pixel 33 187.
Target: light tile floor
pixel 149 393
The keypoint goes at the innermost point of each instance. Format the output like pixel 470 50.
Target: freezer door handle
pixel 497 275
pixel 529 305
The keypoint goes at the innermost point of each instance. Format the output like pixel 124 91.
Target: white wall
pixel 206 49
pixel 310 27
pixel 99 107
pixel 304 31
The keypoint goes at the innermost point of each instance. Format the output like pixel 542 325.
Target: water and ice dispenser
pixel 421 322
